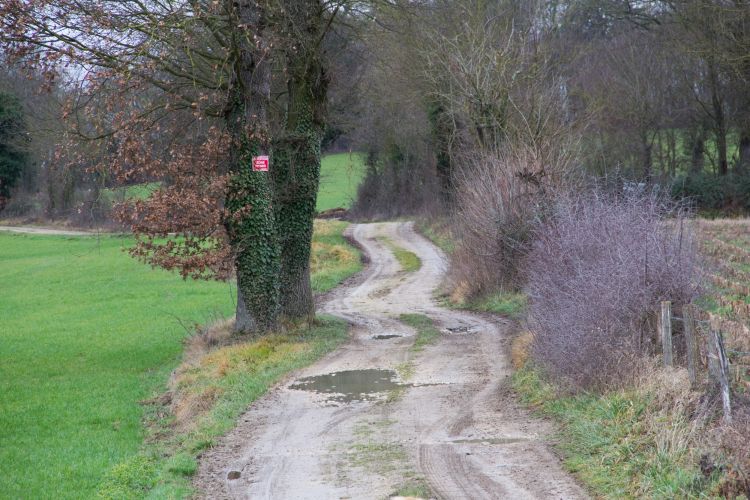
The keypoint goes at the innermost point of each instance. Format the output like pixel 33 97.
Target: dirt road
pixel 385 416
pixel 45 231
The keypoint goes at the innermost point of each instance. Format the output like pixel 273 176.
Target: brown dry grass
pixel 213 355
pixel 520 349
pixel 460 293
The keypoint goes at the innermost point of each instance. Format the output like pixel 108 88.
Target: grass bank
pixel 208 391
pixel 86 333
pixel 635 443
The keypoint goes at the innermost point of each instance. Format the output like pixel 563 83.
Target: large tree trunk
pixel 647 157
pixel 296 172
pixel 697 150
pixel 250 222
pixel 720 125
pixel 743 165
pixel 441 135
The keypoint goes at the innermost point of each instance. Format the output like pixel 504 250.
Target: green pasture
pixel 340 176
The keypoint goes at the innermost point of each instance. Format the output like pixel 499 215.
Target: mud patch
pixel 386 337
pixel 350 385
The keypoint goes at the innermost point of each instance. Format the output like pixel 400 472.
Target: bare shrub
pixel 596 272
pixel 501 196
pixel 735 444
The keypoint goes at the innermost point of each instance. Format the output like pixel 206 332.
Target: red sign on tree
pixel 260 163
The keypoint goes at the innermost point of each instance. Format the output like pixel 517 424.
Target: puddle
pixel 350 385
pixel 460 329
pixel 386 337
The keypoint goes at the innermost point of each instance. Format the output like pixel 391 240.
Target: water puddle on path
pixel 386 337
pixel 350 385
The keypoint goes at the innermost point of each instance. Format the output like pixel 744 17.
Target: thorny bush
pixel 597 270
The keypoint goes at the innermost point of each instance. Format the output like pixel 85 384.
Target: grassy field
pixel 340 176
pixel 86 333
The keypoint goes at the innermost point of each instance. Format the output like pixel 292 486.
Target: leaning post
pixel 665 329
pixel 688 320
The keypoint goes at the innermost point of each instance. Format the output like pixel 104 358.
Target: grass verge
pixel 511 304
pixel 439 232
pixel 409 261
pixel 208 392
pixel 633 443
pixel 425 327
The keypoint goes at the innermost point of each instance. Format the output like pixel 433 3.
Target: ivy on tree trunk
pixel 250 221
pixel 296 162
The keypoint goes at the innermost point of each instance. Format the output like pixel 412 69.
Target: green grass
pixel 340 176
pixel 438 231
pixel 427 333
pixel 333 259
pixel 510 304
pixel 136 191
pixel 409 261
pixel 611 441
pixel 85 333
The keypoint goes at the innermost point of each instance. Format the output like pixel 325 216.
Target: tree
pixel 13 156
pixel 201 72
pixel 296 171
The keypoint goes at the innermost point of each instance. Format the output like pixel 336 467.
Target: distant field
pixel 340 176
pixel 85 333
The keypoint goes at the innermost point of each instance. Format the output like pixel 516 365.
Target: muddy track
pixel 450 424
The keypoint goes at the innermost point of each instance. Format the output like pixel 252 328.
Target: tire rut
pixel 452 426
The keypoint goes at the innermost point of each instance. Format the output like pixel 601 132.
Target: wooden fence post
pixel 665 327
pixel 723 363
pixel 688 321
pixel 711 354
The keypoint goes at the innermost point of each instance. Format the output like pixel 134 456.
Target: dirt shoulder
pixel 445 424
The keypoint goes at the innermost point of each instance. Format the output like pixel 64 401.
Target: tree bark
pixel 743 164
pixel 296 173
pixel 720 125
pixel 647 158
pixel 697 150
pixel 250 221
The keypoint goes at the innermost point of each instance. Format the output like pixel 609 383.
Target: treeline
pixel 654 92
